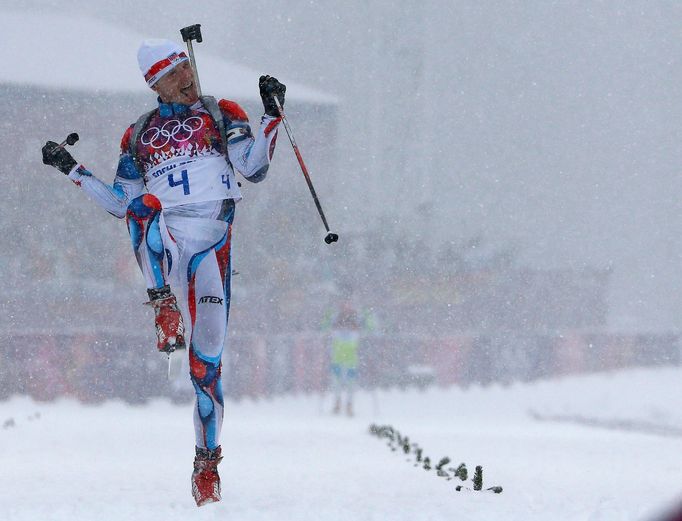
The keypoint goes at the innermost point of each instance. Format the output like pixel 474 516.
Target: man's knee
pixel 142 220
pixel 203 373
pixel 144 207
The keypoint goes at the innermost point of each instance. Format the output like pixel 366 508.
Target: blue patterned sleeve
pixel 115 199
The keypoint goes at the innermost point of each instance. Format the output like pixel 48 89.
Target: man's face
pixel 177 86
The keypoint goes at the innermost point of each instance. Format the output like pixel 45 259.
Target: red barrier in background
pixel 93 367
pixel 450 355
pixel 570 353
pixel 310 362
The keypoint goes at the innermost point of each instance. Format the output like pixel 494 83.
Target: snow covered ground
pixel 286 460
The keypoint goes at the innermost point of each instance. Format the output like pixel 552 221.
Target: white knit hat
pixel 157 57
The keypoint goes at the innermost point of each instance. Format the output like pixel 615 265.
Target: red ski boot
pixel 170 330
pixel 205 478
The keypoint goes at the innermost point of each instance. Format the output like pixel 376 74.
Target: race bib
pixel 183 180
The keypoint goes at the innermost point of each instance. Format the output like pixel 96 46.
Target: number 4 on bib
pixel 184 181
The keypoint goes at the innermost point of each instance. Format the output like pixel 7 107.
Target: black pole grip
pixel 191 32
pixel 70 139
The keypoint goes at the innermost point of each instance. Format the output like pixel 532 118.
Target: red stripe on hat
pixel 162 64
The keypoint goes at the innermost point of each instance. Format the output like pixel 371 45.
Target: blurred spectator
pixel 345 342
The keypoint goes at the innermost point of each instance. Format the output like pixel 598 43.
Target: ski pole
pixel 189 33
pixel 331 237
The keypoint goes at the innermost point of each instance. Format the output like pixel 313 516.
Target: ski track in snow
pixel 285 459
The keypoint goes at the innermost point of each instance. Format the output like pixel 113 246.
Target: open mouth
pixel 185 90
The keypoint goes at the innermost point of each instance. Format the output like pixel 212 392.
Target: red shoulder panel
pixel 232 110
pixel 125 141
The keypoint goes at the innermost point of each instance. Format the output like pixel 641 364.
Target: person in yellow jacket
pixel 345 342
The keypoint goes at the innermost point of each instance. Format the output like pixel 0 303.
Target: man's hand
pixel 58 157
pixel 270 87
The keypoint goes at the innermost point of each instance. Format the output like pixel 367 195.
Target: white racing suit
pixel 178 196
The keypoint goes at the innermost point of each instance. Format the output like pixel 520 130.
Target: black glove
pixel 270 87
pixel 58 157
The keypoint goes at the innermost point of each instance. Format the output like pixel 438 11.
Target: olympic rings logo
pixel 171 130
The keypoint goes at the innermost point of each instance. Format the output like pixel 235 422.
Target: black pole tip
pixel 72 138
pixel 331 237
